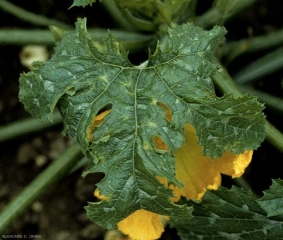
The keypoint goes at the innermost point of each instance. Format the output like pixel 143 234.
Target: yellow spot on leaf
pixel 198 172
pixel 195 171
pixel 96 194
pixel 143 225
pixel 97 120
pixel 159 144
pixel 168 113
pixel 176 191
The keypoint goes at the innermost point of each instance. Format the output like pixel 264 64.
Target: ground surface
pixel 59 213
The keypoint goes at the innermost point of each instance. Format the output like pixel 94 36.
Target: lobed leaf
pixel 144 104
pixel 272 201
pixel 82 3
pixel 229 214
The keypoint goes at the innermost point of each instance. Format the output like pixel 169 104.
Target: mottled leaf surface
pixel 230 214
pixel 272 201
pixel 83 82
pixel 82 3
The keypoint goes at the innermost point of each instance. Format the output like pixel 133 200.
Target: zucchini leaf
pixel 140 105
pixel 272 201
pixel 82 3
pixel 230 214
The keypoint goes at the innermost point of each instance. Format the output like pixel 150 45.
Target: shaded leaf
pixel 230 214
pixel 146 103
pixel 272 201
pixel 82 3
pixel 198 172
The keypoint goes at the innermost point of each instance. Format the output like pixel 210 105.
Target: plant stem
pixel 215 16
pixel 252 44
pixel 140 24
pixel 272 102
pixel 54 172
pixel 269 63
pixel 225 83
pixel 26 126
pixel 242 182
pixel 129 40
pixel 274 136
pixel 30 17
pixel 116 14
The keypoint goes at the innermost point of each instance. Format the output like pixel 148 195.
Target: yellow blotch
pixel 97 120
pixel 168 113
pixel 176 191
pixel 234 165
pixel 195 171
pixel 140 225
pixel 143 225
pixel 96 194
pixel 159 144
pixel 198 172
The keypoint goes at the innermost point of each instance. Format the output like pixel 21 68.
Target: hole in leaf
pixel 167 110
pixel 159 144
pixel 105 108
pixel 98 120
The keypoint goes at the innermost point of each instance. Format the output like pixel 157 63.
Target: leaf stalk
pixel 32 18
pixel 130 40
pixel 55 171
pixel 26 126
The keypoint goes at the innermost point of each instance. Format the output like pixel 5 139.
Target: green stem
pixel 116 14
pixel 270 101
pixel 140 24
pixel 269 63
pixel 54 172
pixel 274 136
pixel 30 17
pixel 242 182
pixel 130 41
pixel 26 126
pixel 225 83
pixel 24 37
pixel 252 44
pixel 215 16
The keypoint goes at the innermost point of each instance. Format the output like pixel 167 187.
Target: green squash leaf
pixel 159 11
pixel 230 214
pixel 272 201
pixel 83 82
pixel 82 3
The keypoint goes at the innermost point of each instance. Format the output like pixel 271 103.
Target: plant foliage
pixel 235 214
pixel 272 201
pixel 84 82
pixel 82 3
